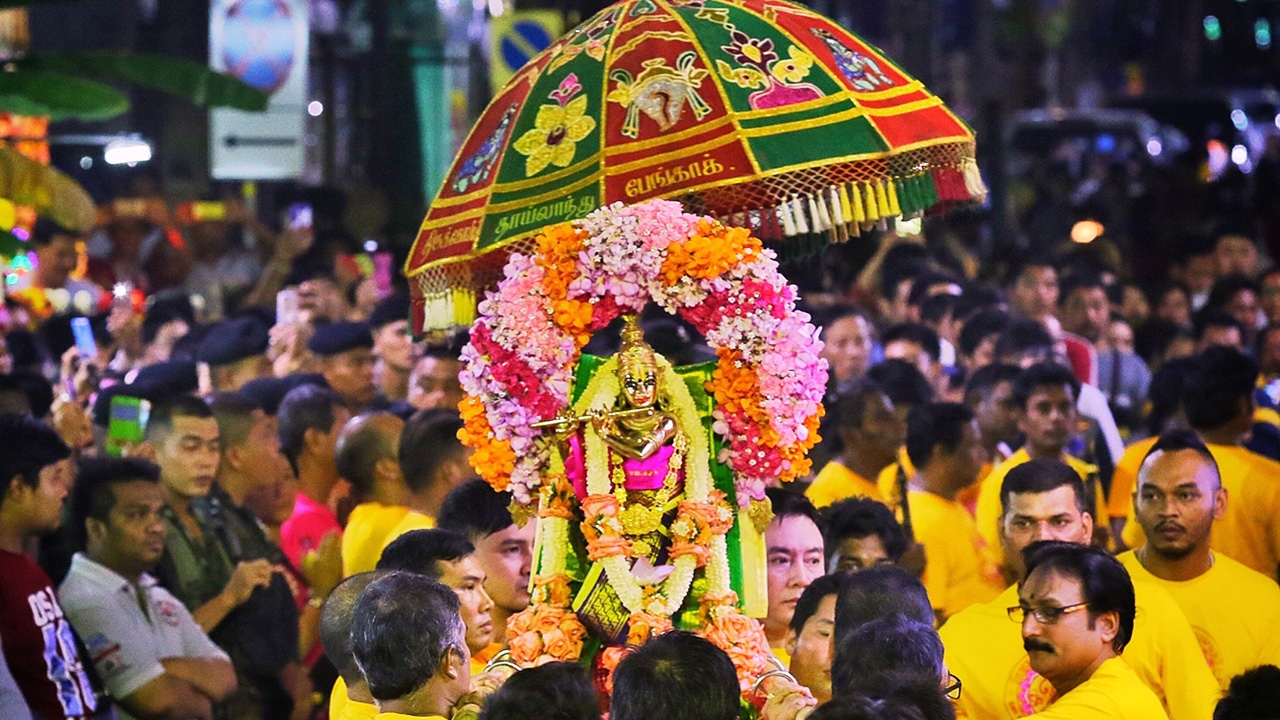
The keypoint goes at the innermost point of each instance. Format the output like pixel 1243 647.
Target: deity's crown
pixel 634 351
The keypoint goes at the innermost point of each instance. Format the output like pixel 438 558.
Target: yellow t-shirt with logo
pixel 959 569
pixel 1234 611
pixel 366 535
pixel 984 649
pixel 1249 529
pixel 402 716
pixel 1113 692
pixel 414 520
pixel 835 482
pixel 989 510
pixel 1125 478
pixel 342 707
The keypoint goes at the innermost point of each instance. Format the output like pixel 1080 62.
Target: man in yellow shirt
pixel 944 443
pixel 1044 500
pixel 367 456
pixel 433 461
pixel 1045 396
pixel 350 699
pixel 1164 414
pixel 989 392
pixel 860 533
pixel 410 643
pixel 869 432
pixel 1077 610
pixel 450 558
pixel 1235 611
pixel 906 387
pixel 1218 403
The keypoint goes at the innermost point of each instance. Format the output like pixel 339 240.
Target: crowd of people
pixel 1055 494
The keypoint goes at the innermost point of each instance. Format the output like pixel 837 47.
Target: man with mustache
pixel 1045 500
pixel 1235 610
pixel 1077 610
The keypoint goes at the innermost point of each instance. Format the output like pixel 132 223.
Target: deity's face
pixel 639 377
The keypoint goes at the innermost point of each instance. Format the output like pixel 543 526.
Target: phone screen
pixel 287 306
pixel 127 423
pixel 83 333
pixel 300 216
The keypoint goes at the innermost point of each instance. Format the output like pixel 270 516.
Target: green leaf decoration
pixel 182 78
pixel 58 96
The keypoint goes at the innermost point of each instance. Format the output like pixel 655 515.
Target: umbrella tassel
pixel 770 228
pixel 857 215
pixel 892 191
pixel 814 218
pixel 837 215
pixel 973 180
pixel 909 195
pixel 882 201
pixel 869 202
pixel 788 223
pixel 823 215
pixel 846 208
pixel 797 211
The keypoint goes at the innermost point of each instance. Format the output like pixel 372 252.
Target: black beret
pixel 166 308
pixel 267 392
pixel 390 310
pixel 232 340
pixel 339 337
pixel 163 379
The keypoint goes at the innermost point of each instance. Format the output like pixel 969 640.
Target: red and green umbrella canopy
pixel 760 112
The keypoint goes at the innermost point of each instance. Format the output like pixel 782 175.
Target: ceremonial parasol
pixel 759 112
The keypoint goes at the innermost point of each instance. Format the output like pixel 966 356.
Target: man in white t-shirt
pixel 153 657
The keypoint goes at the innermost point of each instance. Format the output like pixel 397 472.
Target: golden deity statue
pixel 639 429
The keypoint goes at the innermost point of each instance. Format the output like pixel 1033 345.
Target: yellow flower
pixel 555 135
pixel 793 70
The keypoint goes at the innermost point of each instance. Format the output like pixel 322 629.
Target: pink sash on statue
pixel 646 474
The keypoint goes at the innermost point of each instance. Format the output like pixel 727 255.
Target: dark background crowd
pixel 223 496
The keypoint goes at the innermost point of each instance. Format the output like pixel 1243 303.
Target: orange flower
pixel 493 459
pixel 743 639
pixel 608 546
pixel 700 552
pixel 712 251
pixel 557 497
pixel 552 590
pixel 574 317
pixel 643 627
pixel 558 248
pixel 572 627
pixel 545 619
pixel 525 647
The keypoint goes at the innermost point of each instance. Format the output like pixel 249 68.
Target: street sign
pixel 516 37
pixel 264 43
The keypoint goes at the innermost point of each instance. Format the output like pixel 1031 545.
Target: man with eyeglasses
pixel 1076 607
pixel 1045 500
pixel 1235 610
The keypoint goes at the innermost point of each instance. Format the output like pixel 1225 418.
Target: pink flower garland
pixel 520 361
